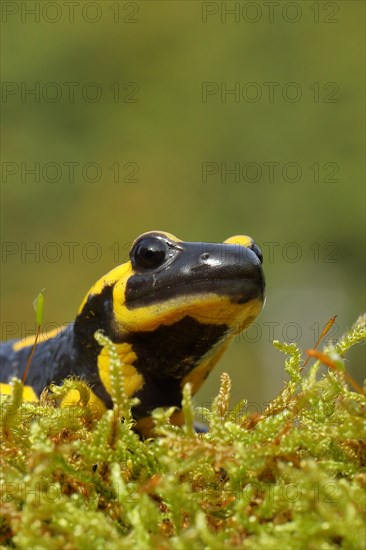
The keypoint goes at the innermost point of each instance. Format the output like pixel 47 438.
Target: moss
pixel 292 477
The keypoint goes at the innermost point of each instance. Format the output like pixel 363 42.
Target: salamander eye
pixel 149 253
pixel 257 251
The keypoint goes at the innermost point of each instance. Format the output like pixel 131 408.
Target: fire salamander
pixel 171 311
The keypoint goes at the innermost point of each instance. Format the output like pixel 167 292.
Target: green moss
pixel 292 477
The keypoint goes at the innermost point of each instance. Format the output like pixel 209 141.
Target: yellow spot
pixel 133 379
pixel 72 398
pixel 243 240
pixel 28 392
pixel 5 389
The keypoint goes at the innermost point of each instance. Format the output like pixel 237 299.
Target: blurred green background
pixel 141 86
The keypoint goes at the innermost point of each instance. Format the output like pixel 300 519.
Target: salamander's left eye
pixel 149 253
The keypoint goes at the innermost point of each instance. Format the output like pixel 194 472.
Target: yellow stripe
pixel 133 379
pixel 208 308
pixel 29 341
pixel 28 392
pixel 120 272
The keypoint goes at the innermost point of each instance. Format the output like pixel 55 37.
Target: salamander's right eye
pixel 149 253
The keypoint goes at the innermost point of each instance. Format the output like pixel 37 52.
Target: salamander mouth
pixel 238 290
